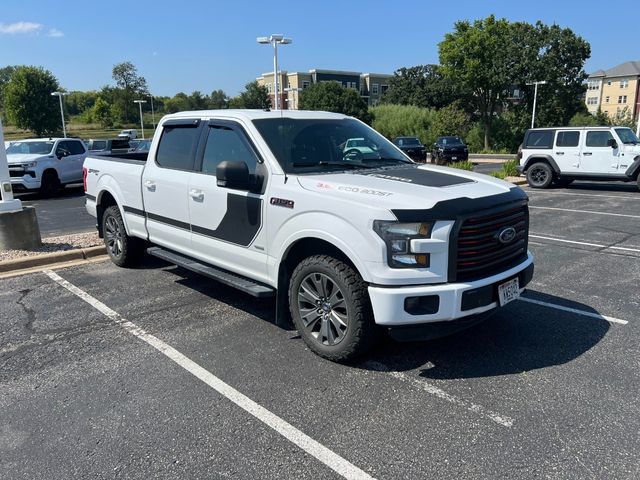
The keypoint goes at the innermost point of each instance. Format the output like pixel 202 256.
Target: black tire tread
pixel 365 334
pixel 550 178
pixel 132 247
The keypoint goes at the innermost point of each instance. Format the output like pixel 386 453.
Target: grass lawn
pixel 80 130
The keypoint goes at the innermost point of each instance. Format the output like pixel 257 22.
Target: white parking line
pixel 627 197
pixel 574 310
pixel 586 211
pixel 433 390
pixel 331 459
pixel 588 244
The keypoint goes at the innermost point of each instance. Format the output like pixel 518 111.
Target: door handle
pixel 151 186
pixel 559 153
pixel 197 195
pixel 587 153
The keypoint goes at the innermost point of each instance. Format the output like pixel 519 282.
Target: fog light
pixel 424 305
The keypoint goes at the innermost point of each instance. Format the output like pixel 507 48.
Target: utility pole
pixel 140 102
pixel 535 98
pixel 60 95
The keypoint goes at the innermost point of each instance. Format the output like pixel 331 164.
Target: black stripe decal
pixel 135 211
pixel 168 221
pixel 90 197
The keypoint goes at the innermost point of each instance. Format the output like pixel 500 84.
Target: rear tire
pixel 50 184
pixel 330 308
pixel 124 251
pixel 539 175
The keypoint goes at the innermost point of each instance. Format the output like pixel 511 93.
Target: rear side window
pixel 76 147
pixel 539 139
pixel 224 143
pixel 567 139
pixel 177 147
pixel 99 145
pixel 598 138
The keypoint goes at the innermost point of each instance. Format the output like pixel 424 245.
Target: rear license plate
pixel 454 158
pixel 508 291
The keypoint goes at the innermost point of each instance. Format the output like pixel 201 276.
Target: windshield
pixel 450 141
pixel 627 136
pixel 312 145
pixel 143 145
pixel 30 147
pixel 406 141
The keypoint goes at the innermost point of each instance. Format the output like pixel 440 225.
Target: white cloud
pixel 19 28
pixel 54 32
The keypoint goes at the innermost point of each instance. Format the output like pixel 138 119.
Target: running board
pixel 244 284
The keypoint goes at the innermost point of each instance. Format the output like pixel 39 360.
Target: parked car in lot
pixel 106 145
pixel 129 133
pixel 272 204
pixel 561 155
pixel 413 147
pixel 449 149
pixel 45 165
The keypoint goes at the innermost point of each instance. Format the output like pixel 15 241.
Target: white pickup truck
pixel 350 244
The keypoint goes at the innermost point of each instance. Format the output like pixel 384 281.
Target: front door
pixel 598 157
pixel 227 224
pixel 567 150
pixel 165 185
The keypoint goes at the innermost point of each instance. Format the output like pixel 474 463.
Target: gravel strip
pixel 55 244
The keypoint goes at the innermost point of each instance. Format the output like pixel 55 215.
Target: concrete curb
pixel 51 258
pixel 516 180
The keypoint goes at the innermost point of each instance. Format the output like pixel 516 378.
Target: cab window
pixel 567 139
pixel 598 138
pixel 177 146
pixel 226 143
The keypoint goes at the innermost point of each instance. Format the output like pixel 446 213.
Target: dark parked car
pixel 412 147
pixel 100 145
pixel 449 149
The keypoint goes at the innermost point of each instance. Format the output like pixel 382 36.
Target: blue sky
pixel 206 45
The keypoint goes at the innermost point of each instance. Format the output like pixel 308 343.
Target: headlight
pixel 398 236
pixel 29 165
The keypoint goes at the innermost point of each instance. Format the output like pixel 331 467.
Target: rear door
pixel 62 161
pixel 75 160
pixel 598 157
pixel 227 223
pixel 566 151
pixel 165 185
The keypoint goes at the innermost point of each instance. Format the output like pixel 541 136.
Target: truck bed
pixel 131 157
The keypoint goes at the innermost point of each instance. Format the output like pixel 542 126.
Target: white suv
pixel 561 155
pixel 45 164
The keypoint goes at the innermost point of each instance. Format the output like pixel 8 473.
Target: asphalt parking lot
pixel 155 372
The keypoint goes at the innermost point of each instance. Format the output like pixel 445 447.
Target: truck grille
pixel 479 251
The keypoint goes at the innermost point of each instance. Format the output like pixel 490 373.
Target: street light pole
pixel 535 98
pixel 153 116
pixel 60 95
pixel 275 40
pixel 140 102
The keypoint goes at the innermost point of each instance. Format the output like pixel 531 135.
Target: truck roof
pixel 248 114
pixel 46 139
pixel 604 127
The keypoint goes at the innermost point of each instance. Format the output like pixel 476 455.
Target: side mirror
pixel 234 175
pixel 612 143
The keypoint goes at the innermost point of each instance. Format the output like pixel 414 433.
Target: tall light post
pixel 153 115
pixel 535 98
pixel 140 102
pixel 60 95
pixel 275 40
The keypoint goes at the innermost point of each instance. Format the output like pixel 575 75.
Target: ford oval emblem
pixel 506 235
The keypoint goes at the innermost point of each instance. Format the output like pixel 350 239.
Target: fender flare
pixel 102 189
pixel 547 158
pixel 634 169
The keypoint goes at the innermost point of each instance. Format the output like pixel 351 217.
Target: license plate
pixel 508 291
pixel 454 158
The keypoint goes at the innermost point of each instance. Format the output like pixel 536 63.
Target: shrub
pixel 400 120
pixel 462 165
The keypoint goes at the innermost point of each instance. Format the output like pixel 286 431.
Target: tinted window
pixel 176 147
pixel 63 149
pixel 567 139
pixel 99 145
pixel 30 147
pixel 598 139
pixel 539 139
pixel 76 147
pixel 224 143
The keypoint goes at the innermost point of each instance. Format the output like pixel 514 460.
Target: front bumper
pixel 27 182
pixel 443 302
pixel 454 156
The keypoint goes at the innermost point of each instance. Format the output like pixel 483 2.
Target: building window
pixel 593 85
pixel 305 84
pixel 592 101
pixel 606 99
pixel 609 82
pixel 384 88
pixel 624 83
pixel 622 99
pixel 374 88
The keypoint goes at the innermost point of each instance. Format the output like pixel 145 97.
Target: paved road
pixel 537 391
pixel 61 215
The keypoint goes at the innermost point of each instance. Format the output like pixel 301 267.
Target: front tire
pixel 330 307
pixel 50 184
pixel 124 251
pixel 539 175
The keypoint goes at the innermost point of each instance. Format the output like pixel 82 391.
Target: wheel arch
pixel 104 200
pixel 548 159
pixel 634 169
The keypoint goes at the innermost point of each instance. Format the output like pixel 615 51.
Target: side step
pixel 236 281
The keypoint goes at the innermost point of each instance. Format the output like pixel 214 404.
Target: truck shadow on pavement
pixel 518 338
pixel 630 187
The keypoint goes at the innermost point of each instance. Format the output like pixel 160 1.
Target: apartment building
pixel 371 86
pixel 615 90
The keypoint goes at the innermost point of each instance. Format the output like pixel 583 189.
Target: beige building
pixel 615 91
pixel 370 85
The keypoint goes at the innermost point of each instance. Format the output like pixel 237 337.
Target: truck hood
pixel 631 149
pixel 14 158
pixel 410 187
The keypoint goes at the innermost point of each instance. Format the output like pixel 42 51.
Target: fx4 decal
pixel 281 202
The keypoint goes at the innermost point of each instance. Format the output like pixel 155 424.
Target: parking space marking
pixel 587 244
pixel 574 310
pixel 586 211
pixel 628 197
pixel 328 457
pixel 433 390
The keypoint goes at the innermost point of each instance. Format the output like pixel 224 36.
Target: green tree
pixel 582 119
pixel 130 86
pixel 198 101
pixel 253 96
pixel 218 100
pixel 5 76
pixel 78 102
pixel 28 102
pixel 333 97
pixel 423 86
pixel 101 113
pixel 450 120
pixel 180 102
pixel 623 118
pixel 478 55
